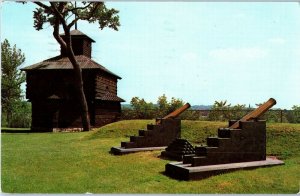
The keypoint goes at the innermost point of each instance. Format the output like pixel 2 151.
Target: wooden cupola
pixel 81 44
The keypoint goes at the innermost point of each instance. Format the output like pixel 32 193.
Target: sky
pixel 200 52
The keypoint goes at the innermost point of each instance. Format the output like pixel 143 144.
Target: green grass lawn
pixel 80 163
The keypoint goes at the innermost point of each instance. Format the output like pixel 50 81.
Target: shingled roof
pixel 59 63
pixel 110 97
pixel 77 33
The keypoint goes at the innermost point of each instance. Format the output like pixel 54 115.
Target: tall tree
pixel 12 78
pixel 58 14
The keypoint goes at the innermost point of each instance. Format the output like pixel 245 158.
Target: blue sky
pixel 200 52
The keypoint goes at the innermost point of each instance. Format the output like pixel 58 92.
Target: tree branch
pixel 43 5
pixel 61 18
pixel 57 36
pixel 87 17
pixel 80 8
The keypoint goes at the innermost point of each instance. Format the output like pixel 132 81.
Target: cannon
pixel 175 113
pixel 241 145
pixel 156 137
pixel 255 113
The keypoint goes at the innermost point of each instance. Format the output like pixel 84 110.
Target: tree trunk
pixel 80 91
pixel 8 118
pixel 83 103
pixel 67 45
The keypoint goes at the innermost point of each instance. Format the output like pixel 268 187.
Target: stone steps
pixel 156 135
pixel 231 145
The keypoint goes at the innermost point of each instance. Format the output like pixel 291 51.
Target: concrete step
pixel 152 127
pixel 128 145
pixel 199 160
pixel 187 159
pixel 145 133
pixel 218 142
pixel 212 141
pixel 136 138
pixel 181 171
pixel 205 150
pixel 224 132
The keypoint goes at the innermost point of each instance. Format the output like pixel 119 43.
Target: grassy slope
pixel 80 162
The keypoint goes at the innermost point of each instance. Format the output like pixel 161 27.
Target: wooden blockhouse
pixel 51 91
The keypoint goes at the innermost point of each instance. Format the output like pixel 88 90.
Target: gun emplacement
pixel 175 113
pixel 255 113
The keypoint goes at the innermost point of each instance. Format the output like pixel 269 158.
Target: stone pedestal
pixel 181 171
pixel 156 135
pixel 245 144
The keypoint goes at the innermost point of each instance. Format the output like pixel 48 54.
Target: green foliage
pixel 294 115
pixel 194 115
pixel 88 11
pixel 80 163
pixel 11 80
pixel 166 107
pixel 144 110
pixel 223 111
pixel 237 111
pixel 219 111
pixel 21 116
pixel 163 105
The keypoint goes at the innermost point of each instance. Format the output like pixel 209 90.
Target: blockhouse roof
pixel 110 97
pixel 63 63
pixel 77 33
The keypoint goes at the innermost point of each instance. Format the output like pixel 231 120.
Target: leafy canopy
pixel 11 80
pixel 163 107
pixel 89 11
pixel 12 77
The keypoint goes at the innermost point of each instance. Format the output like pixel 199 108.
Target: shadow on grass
pixel 21 130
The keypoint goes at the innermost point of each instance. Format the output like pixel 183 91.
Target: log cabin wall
pixel 87 48
pixel 106 112
pixel 49 114
pixel 53 98
pixel 54 102
pixel 80 47
pixel 105 83
pixel 43 84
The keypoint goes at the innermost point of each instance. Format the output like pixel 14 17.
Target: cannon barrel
pixel 256 113
pixel 176 113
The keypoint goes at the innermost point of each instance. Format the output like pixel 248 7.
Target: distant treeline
pixel 219 111
pixel 140 109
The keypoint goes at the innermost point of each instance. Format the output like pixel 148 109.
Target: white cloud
pixel 277 40
pixel 238 54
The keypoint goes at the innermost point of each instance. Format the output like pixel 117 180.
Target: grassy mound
pixel 80 163
pixel 282 138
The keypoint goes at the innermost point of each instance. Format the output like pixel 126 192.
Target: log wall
pixel 105 83
pixel 54 103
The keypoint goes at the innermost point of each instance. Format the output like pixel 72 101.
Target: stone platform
pixel 181 171
pixel 156 137
pixel 122 150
